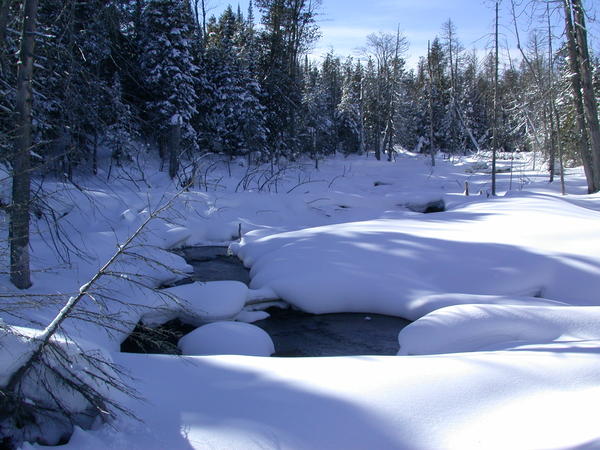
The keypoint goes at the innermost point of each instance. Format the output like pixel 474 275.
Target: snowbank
pixel 201 302
pixel 467 328
pixel 339 239
pixel 227 338
pixel 515 246
pixel 495 400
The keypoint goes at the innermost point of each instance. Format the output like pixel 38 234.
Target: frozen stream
pixel 296 333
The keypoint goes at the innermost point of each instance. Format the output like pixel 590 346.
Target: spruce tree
pixel 169 74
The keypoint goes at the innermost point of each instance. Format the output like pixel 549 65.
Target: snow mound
pixel 227 338
pixel 251 316
pixel 400 266
pixel 425 305
pixel 202 302
pixel 467 328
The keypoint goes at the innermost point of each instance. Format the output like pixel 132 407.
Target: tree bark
pixel 429 69
pixel 174 144
pixel 495 124
pixel 583 139
pixel 587 89
pixel 19 216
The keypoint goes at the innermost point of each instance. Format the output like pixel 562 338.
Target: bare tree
pixel 496 101
pixel 554 116
pixel 54 366
pixel 454 49
pixel 430 72
pixel 387 50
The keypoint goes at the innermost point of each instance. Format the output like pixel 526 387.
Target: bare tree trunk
pixel 553 110
pixel 429 68
pixel 589 101
pixel 377 137
pixel 583 138
pixel 550 140
pixel 362 116
pixel 21 183
pixel 174 145
pixel 495 124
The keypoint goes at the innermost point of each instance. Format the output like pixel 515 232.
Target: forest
pixel 454 201
pixel 164 75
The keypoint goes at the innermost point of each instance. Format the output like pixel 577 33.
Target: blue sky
pixel 345 24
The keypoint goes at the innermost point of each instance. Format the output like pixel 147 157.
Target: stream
pixel 296 333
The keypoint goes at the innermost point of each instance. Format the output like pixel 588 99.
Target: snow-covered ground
pixel 504 351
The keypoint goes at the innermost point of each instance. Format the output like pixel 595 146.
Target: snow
pixel 504 348
pixel 468 328
pixel 227 338
pixel 203 302
pixel 479 248
pixel 496 400
pixel 251 316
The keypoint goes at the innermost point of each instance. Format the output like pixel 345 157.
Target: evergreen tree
pixel 288 30
pixel 170 77
pixel 232 115
pixel 75 69
pixel 348 112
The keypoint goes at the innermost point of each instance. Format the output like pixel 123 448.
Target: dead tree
pixel 51 366
pixel 495 119
pixel 430 71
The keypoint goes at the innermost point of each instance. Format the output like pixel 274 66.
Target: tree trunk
pixel 174 144
pixel 583 139
pixel 429 69
pixel 19 216
pixel 495 124
pixel 589 101
pixel 555 118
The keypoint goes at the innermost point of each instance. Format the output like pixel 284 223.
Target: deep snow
pixel 511 282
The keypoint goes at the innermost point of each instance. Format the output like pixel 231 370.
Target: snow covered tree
pixel 288 31
pixel 232 117
pixel 122 130
pixel 348 114
pixel 170 75
pixel 316 122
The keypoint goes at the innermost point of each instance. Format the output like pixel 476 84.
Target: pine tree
pixel 170 77
pixel 348 112
pixel 122 130
pixel 233 117
pixel 74 75
pixel 288 30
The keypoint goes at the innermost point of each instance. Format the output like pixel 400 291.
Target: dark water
pixel 294 333
pixel 213 263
